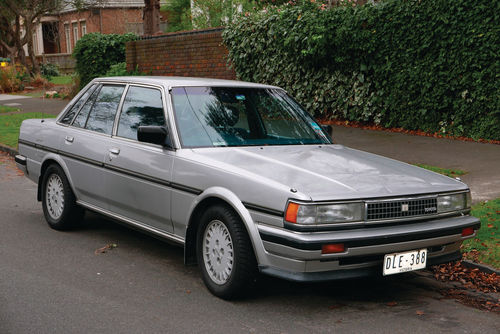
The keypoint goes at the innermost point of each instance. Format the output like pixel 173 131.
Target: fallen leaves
pixel 471 278
pixel 391 303
pixel 418 312
pixel 104 249
pixel 481 303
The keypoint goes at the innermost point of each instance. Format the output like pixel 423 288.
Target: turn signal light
pixel 291 212
pixel 332 248
pixel 467 231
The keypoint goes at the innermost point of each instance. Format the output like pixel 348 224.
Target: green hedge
pixel 95 53
pixel 432 65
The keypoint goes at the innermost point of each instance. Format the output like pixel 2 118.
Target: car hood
pixel 330 172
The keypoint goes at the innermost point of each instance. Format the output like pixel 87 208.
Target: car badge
pixel 405 207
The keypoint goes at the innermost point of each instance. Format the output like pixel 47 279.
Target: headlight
pixel 453 202
pixel 323 214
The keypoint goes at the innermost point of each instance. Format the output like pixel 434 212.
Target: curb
pixel 9 150
pixel 482 267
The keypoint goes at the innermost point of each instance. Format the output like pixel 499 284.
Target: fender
pixel 230 198
pixel 57 158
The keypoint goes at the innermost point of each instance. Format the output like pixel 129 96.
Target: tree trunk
pixel 151 16
pixel 28 27
pixel 18 43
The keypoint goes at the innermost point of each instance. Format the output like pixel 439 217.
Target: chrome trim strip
pixel 119 111
pixel 263 209
pixel 128 172
pixel 409 198
pixel 135 223
pixel 185 188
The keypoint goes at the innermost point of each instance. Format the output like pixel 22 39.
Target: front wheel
pixel 58 200
pixel 225 253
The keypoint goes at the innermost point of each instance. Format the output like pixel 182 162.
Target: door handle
pixel 114 151
pixel 69 139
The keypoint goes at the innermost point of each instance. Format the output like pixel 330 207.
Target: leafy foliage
pixel 49 70
pixel 95 53
pixel 431 65
pixel 178 15
pixel 120 69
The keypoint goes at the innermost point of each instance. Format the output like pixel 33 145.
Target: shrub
pixel 120 69
pixel 10 79
pixel 49 70
pixel 40 81
pixel 431 64
pixel 95 53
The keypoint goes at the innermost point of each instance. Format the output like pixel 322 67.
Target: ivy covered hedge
pixel 432 65
pixel 95 53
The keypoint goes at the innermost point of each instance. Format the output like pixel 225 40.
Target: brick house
pixel 58 33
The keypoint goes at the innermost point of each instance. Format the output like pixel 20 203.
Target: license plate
pixel 397 263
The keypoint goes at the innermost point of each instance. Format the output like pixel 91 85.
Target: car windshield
pixel 234 116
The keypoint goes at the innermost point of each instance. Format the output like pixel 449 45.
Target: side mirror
pixel 154 134
pixel 327 128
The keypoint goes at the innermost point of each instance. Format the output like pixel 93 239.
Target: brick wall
pixel 194 53
pixel 104 20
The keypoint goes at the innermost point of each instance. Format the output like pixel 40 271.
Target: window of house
pixel 102 115
pixel 67 34
pixel 75 32
pixel 142 106
pixel 83 24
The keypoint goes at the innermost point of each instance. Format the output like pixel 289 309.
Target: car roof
pixel 182 81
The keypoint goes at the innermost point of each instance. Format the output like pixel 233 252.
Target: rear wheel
pixel 225 253
pixel 58 200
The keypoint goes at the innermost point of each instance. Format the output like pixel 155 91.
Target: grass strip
pixel 4 109
pixel 10 124
pixel 61 80
pixel 445 171
pixel 485 246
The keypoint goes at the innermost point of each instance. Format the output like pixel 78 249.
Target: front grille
pixel 401 208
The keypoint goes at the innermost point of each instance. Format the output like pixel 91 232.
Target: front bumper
pixel 297 255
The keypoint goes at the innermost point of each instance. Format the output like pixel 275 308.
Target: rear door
pixel 84 149
pixel 138 174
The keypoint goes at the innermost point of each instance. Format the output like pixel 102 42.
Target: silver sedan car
pixel 244 179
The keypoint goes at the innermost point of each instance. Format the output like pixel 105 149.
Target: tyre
pixel 58 201
pixel 225 254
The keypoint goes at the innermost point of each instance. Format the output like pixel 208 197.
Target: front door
pixel 138 174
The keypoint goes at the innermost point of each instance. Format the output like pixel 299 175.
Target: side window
pixel 81 118
pixel 68 117
pixel 103 111
pixel 142 106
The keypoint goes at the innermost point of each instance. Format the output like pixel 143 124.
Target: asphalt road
pixel 53 282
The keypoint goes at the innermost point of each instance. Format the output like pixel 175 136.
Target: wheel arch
pixel 219 196
pixel 48 160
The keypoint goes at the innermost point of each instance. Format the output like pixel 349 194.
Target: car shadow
pixel 363 293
